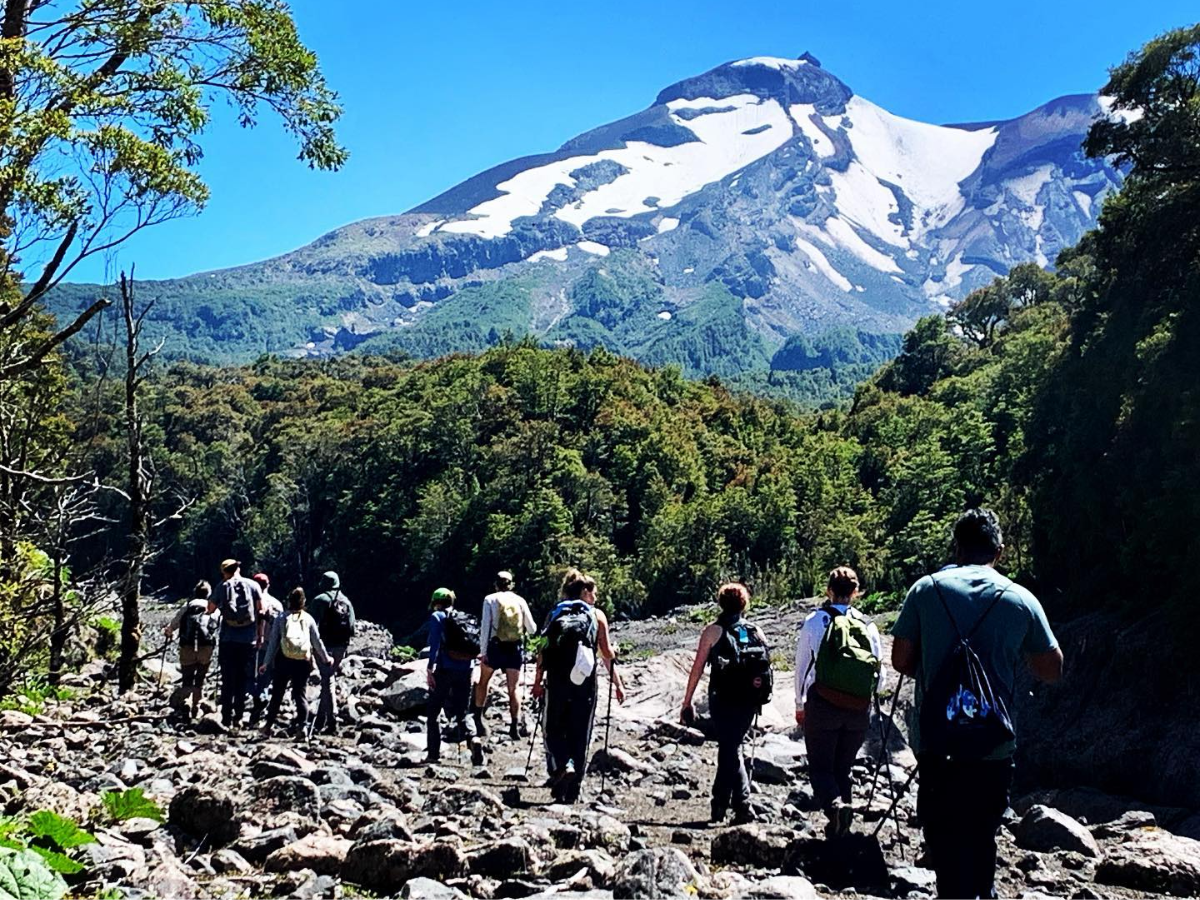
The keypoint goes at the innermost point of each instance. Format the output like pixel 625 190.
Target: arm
pixel 353 620
pixel 486 626
pixel 435 645
pixel 904 656
pixel 273 640
pixel 708 637
pixel 1047 666
pixel 808 643
pixel 177 621
pixel 604 645
pixel 530 625
pixel 319 651
pixel 877 649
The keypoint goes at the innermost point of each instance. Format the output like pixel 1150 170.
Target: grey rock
pixel 781 887
pixel 1128 821
pixel 598 867
pixel 1153 860
pixel 321 853
pixel 1044 829
pixel 603 832
pixel 755 846
pixel 204 813
pixel 914 878
pixel 475 802
pixel 384 866
pixel 112 857
pixel 230 862
pixel 257 847
pixel 663 872
pixel 503 859
pixel 428 889
pixel 616 761
pixel 288 800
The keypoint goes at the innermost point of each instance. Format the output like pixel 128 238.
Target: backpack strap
pixel 970 634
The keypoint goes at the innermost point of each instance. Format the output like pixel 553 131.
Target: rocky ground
pixel 359 815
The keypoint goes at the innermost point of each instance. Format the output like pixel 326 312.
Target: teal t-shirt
pixel 1016 628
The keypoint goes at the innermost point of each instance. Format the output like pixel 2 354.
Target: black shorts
pixel 504 655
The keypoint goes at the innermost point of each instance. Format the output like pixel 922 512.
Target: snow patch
pixel 955 270
pixel 559 255
pixel 429 228
pixel 823 266
pixel 1125 116
pixel 861 199
pixel 665 316
pixel 667 224
pixel 1026 187
pixel 1084 201
pixel 667 173
pixel 801 114
pixel 845 235
pixel 593 248
pixel 772 62
pixel 689 270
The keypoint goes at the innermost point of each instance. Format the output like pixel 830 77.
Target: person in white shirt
pixel 833 697
pixel 503 628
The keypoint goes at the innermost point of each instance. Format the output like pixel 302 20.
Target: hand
pixel 687 713
pixel 483 660
pixel 537 690
pixel 800 717
pixel 620 692
pixel 262 670
pixel 167 630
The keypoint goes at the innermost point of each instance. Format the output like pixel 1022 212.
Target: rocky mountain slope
pixel 357 813
pixel 757 202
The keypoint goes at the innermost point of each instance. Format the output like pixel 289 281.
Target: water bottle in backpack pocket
pixel 962 717
pixel 741 667
pixel 571 636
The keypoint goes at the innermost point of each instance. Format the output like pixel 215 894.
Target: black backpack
pixel 198 628
pixel 741 666
pixel 460 635
pixel 336 629
pixel 237 604
pixel 961 716
pixel 572 623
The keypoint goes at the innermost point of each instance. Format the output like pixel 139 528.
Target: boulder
pixel 906 879
pixel 1153 860
pixel 385 866
pixel 1129 821
pixel 598 867
pixel 288 800
pixel 474 802
pixel 380 825
pixel 62 799
pixel 113 858
pixel 851 861
pixel 166 876
pixel 751 846
pixel 204 812
pixel 503 859
pixel 409 696
pixel 230 862
pixel 428 889
pixel 322 853
pixel 662 872
pixel 781 887
pixel 257 847
pixel 617 761
pixel 1045 830
pixel 602 832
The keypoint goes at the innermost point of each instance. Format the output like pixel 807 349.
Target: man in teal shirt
pixel 961 802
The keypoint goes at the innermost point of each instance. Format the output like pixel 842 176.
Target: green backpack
pixel 847 669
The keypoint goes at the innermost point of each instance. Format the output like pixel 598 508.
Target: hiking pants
pixel 730 725
pixel 832 737
pixel 960 806
pixel 451 694
pixel 237 664
pixel 293 674
pixel 570 712
pixel 327 710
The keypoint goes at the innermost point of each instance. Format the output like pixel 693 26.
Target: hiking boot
pixel 744 815
pixel 840 815
pixel 718 815
pixel 431 759
pixel 514 731
pixel 476 753
pixel 480 728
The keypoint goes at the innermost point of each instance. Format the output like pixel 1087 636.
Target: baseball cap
pixel 262 579
pixel 228 564
pixel 442 595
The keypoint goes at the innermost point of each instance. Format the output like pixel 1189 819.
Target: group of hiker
pixel 961 635
pixel 264 651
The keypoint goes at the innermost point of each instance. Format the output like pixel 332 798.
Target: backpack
pixel 572 626
pixel 297 637
pixel 741 666
pixel 336 629
pixel 846 666
pixel 961 716
pixel 460 635
pixel 509 625
pixel 198 628
pixel 237 606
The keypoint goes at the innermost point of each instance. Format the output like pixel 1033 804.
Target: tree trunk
pixel 58 637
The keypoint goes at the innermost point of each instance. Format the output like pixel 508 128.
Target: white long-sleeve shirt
pixel 808 645
pixel 491 616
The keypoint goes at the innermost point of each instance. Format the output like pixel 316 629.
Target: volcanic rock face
pixel 760 200
pixel 310 818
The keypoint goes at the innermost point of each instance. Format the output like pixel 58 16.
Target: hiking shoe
pixel 514 731
pixel 481 728
pixel 845 818
pixel 476 753
pixel 718 815
pixel 744 815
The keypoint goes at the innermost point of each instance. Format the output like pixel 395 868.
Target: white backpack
pixel 296 643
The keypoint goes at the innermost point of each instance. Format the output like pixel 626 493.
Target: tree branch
pixel 34 359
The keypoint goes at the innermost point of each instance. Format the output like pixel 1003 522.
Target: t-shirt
pixel 1014 629
pixel 240 634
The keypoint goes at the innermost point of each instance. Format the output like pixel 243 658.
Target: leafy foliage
pixel 24 875
pixel 130 804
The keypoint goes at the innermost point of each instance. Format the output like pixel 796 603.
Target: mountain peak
pixel 788 81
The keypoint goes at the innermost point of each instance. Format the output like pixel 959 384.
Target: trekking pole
pixel 895 803
pixel 162 664
pixel 885 729
pixel 612 677
pixel 753 748
pixel 537 724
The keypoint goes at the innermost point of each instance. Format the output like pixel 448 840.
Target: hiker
pixel 838 669
pixel 197 623
pixel 334 615
pixel 961 635
pixel 297 641
pixel 453 648
pixel 505 623
pixel 738 685
pixel 260 691
pixel 575 631
pixel 240 602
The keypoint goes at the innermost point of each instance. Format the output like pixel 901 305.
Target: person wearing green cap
pixel 450 663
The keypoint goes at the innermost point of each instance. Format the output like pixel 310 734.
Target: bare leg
pixel 514 693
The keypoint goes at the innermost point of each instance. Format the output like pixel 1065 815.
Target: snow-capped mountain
pixel 758 201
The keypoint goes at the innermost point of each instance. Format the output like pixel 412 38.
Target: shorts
pixel 504 655
pixel 195 656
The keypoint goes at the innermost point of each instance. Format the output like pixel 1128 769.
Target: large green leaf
pixel 25 876
pixel 131 804
pixel 58 862
pixel 59 831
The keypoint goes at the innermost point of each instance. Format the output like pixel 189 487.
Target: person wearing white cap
pixel 502 631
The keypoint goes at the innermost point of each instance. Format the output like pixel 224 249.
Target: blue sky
pixel 436 92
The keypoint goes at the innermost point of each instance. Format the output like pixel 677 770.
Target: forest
pixel 1069 401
